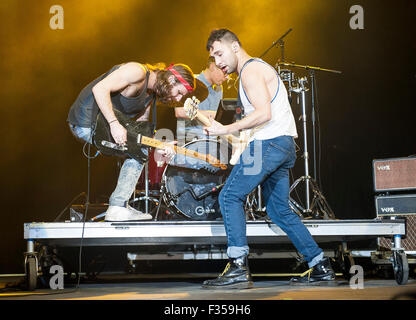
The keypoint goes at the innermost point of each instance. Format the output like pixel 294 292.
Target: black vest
pixel 84 110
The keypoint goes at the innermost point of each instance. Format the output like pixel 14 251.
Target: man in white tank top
pixel 272 128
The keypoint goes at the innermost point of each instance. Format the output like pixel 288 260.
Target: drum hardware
pixel 146 187
pixel 254 205
pixel 162 194
pixel 318 207
pixel 146 193
pixel 311 70
pixel 201 196
pixel 281 43
pixel 286 75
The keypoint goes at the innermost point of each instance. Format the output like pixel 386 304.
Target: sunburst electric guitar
pixel 239 144
pixel 137 136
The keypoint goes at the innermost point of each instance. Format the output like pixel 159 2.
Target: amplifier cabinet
pixel 409 242
pixel 394 174
pixel 395 205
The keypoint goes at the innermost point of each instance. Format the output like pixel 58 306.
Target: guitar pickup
pixel 114 146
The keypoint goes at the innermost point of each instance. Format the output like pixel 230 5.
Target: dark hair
pixel 210 61
pixel 163 87
pixel 220 35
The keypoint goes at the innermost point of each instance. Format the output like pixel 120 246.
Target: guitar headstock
pixel 191 107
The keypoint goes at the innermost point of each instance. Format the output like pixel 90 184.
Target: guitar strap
pixel 154 115
pixel 239 115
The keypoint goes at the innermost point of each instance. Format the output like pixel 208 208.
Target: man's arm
pixel 180 113
pixel 116 81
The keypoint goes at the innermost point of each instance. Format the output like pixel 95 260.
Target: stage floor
pixel 188 287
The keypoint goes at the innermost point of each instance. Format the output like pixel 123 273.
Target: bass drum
pixel 192 185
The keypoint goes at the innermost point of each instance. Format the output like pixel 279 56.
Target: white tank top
pixel 282 122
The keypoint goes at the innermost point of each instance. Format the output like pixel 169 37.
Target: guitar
pixel 137 136
pixel 239 144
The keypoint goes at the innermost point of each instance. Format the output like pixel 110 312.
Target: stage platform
pixel 200 232
pixel 204 240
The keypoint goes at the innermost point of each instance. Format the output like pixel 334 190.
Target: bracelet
pixel 112 121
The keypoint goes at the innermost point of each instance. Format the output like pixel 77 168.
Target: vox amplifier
pixel 395 205
pixel 395 174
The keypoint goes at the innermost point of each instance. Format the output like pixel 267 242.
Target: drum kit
pixel 190 192
pixel 185 189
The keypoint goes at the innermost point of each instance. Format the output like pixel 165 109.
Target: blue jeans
pixel 129 173
pixel 273 158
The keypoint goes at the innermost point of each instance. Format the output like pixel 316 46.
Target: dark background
pixel 365 113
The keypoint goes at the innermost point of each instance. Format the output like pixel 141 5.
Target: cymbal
pixel 200 92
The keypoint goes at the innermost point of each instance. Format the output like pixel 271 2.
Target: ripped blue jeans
pixel 129 173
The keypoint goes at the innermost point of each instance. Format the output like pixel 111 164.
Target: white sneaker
pixel 115 213
pixel 141 215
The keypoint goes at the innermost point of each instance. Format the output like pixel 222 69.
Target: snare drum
pixel 192 185
pixel 155 171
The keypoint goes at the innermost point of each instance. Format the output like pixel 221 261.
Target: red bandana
pixel 179 77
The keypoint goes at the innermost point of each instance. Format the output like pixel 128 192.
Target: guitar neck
pixel 194 154
pixel 207 123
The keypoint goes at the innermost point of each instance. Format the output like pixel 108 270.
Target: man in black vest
pixel 130 88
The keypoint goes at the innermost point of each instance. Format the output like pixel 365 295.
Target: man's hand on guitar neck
pixel 166 153
pixel 216 128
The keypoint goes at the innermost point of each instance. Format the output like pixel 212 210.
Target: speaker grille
pixel 394 174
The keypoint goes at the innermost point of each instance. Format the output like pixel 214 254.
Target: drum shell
pixel 156 167
pixel 192 185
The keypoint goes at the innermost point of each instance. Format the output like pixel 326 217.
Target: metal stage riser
pixel 153 233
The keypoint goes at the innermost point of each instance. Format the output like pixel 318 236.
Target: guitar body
pixel 104 142
pixel 239 146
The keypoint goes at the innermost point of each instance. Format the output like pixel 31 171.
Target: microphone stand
pixel 317 207
pixel 280 42
pixel 312 70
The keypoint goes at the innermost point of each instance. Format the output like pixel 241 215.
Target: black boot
pixel 236 275
pixel 322 273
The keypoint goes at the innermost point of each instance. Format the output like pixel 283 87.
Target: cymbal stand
pixel 254 204
pixel 162 193
pixel 146 196
pixel 311 70
pixel 319 207
pixel 280 42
